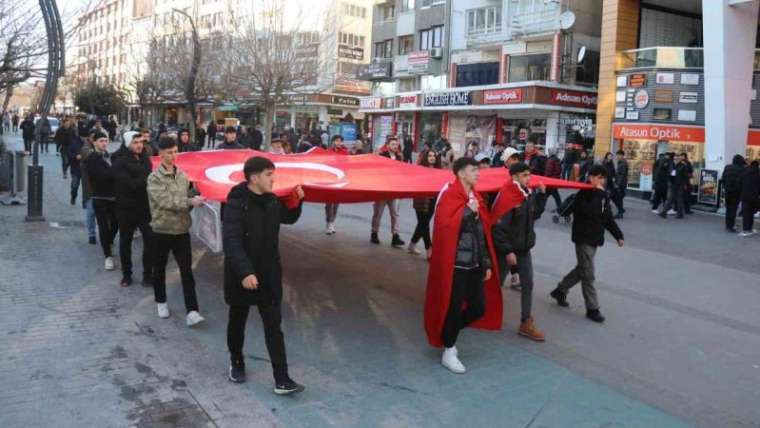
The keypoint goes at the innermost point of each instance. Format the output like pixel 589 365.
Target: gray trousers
pixel 331 211
pixel 583 273
pixel 377 214
pixel 525 269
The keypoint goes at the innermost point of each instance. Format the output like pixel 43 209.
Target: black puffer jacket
pixel 732 176
pixel 251 245
pixel 750 184
pixel 100 174
pixel 592 214
pixel 131 181
pixel 514 233
pixel 472 248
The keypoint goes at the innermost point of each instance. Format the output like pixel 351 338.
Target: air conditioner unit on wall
pixel 436 53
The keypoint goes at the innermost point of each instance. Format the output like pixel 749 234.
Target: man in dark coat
pixel 731 179
pixel 74 154
pixel 679 178
pixel 621 182
pixel 750 197
pixel 131 168
pixel 27 132
pixel 100 175
pixel 661 178
pixel 230 140
pixel 592 214
pixel 211 133
pixel 252 270
pixel 514 236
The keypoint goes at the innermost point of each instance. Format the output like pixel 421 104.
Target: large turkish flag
pixel 328 177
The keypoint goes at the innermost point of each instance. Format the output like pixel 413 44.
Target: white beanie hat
pixel 128 136
pixel 508 153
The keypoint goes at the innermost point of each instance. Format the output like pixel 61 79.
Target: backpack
pixel 567 207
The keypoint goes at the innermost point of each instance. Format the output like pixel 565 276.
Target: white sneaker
pixel 514 280
pixel 451 361
pixel 413 249
pixel 744 234
pixel 163 310
pixel 193 318
pixel 331 228
pixel 672 212
pixel 109 263
pixel 655 211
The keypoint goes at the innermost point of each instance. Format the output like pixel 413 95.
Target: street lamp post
pixel 54 30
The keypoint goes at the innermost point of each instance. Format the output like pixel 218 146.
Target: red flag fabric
pixel 330 177
pixel 448 218
pixel 509 197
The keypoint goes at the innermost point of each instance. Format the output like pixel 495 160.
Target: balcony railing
pixel 483 37
pixel 668 57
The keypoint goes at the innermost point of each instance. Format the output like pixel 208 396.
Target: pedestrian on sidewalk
pixel 462 289
pixel 678 179
pixel 183 141
pixel 63 138
pixel 661 181
pixel 100 175
pixel 211 134
pixel 750 197
pixel 687 185
pixel 170 199
pixel 88 147
pixel 391 150
pixel 514 235
pixel 331 209
pixel 554 170
pixel 252 270
pixel 592 214
pixel 230 140
pixel 584 164
pixel 731 179
pixel 424 209
pixel 534 158
pixel 131 168
pixel 505 200
pixel 74 154
pixel 27 132
pixel 621 182
pixel 15 121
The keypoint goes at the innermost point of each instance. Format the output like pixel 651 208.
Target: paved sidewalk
pixel 78 350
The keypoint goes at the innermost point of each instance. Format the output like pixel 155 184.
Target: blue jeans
pixel 90 218
pixel 75 179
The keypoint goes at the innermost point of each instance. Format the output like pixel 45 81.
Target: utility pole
pixel 54 30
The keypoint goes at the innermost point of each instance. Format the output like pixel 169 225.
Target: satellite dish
pixel 581 54
pixel 566 20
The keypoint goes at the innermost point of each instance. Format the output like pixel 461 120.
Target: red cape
pixel 448 218
pixel 509 197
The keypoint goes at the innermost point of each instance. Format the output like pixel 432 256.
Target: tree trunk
pixel 269 107
pixel 8 95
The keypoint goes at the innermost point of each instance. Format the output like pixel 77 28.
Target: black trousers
pixel 660 195
pixel 105 215
pixel 28 143
pixel 64 159
pixel 732 203
pixel 128 223
pixel 618 198
pixel 422 231
pixel 179 245
pixel 554 193
pixel 749 208
pixel 271 318
pixel 467 286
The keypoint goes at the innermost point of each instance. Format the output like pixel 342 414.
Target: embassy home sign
pixel 442 99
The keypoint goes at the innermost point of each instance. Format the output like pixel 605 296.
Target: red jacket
pixel 339 150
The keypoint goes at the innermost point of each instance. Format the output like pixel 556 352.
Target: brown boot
pixel 529 330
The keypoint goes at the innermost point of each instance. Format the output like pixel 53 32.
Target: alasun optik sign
pixel 459 98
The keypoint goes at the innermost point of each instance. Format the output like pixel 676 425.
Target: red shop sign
pixel 574 98
pixel 503 96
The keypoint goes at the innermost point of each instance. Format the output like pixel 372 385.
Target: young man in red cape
pixel 507 198
pixel 462 287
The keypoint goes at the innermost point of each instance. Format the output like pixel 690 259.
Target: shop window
pixel 523 68
pixel 588 71
pixel 405 44
pixel 431 38
pixel 477 74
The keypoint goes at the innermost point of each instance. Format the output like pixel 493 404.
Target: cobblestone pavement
pixel 681 346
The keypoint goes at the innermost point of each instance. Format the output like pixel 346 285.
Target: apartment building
pixel 498 71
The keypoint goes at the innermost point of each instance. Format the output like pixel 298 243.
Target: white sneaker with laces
pixel 194 318
pixel 450 360
pixel 163 310
pixel 655 211
pixel 413 249
pixel 331 228
pixel 109 263
pixel 672 212
pixel 745 233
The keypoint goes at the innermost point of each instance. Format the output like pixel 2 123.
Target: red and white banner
pixel 327 177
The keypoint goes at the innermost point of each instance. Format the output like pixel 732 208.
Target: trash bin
pixel 6 170
pixel 19 166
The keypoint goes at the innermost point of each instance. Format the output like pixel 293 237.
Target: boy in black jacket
pixel 592 214
pixel 514 236
pixel 252 271
pixel 100 175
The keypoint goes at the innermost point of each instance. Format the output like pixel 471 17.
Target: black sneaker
pixel 126 281
pixel 560 297
pixel 288 387
pixel 396 242
pixel 373 238
pixel 73 200
pixel 237 372
pixel 595 315
pixel 93 241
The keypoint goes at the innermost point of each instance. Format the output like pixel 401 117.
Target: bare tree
pixel 275 56
pixel 23 44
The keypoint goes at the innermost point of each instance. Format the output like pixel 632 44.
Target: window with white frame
pixel 407 5
pixel 387 12
pixel 484 20
pixel 428 3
